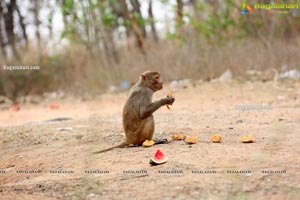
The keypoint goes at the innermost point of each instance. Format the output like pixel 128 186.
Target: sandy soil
pixel 202 171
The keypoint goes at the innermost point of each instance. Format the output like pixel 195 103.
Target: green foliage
pixel 176 37
pixel 68 33
pixel 200 6
pixel 67 7
pixel 50 19
pixel 164 1
pixel 126 23
pixel 200 27
pixel 215 26
pixel 109 19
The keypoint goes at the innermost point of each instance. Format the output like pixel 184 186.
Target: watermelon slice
pixel 158 158
pixel 15 107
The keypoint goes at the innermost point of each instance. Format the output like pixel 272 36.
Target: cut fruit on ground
pixel 177 137
pixel 247 139
pixel 216 138
pixel 191 140
pixel 148 143
pixel 158 158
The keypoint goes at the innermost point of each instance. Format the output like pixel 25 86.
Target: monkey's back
pixel 137 130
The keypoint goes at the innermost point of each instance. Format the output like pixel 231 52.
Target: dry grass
pixel 75 71
pixel 199 60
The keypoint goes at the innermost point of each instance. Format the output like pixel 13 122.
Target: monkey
pixel 138 120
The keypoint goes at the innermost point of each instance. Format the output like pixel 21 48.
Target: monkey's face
pixel 157 83
pixel 152 80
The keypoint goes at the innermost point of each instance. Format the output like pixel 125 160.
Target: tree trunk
pixel 23 26
pixel 9 26
pixel 179 16
pixel 137 33
pixel 195 9
pixel 2 30
pixel 135 27
pixel 36 11
pixel 50 20
pixel 152 23
pixel 112 46
pixel 125 14
pixel 137 9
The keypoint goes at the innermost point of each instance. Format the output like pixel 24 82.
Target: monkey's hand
pixel 167 101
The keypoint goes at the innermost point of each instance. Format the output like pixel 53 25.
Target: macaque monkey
pixel 138 121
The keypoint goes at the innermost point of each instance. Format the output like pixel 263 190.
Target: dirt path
pixel 230 170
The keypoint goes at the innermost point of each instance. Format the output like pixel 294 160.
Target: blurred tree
pixel 10 25
pixel 37 23
pixel 23 26
pixel 179 14
pixel 138 15
pixel 109 25
pixel 2 32
pixel 152 21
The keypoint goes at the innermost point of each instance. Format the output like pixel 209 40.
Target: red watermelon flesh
pixel 159 155
pixel 15 107
pixel 158 158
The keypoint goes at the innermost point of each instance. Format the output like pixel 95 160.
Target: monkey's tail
pixel 122 145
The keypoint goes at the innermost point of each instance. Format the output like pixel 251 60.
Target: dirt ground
pixel 39 161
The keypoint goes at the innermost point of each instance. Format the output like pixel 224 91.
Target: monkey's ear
pixel 143 77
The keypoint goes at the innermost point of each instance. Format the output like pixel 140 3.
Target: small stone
pixel 91 195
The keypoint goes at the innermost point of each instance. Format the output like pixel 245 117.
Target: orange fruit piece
pixel 216 138
pixel 177 137
pixel 191 140
pixel 169 95
pixel 247 139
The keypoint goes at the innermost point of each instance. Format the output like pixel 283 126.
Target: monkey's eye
pixel 157 77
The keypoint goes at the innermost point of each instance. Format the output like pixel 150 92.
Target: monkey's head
pixel 152 80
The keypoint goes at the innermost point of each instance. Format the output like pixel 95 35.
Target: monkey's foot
pixel 160 141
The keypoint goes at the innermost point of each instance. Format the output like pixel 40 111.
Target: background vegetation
pixel 103 42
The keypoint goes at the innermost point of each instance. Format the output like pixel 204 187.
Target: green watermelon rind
pixel 154 161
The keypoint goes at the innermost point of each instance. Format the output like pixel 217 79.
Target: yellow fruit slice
pixel 148 143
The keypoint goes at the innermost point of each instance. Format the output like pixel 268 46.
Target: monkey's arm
pixel 146 111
